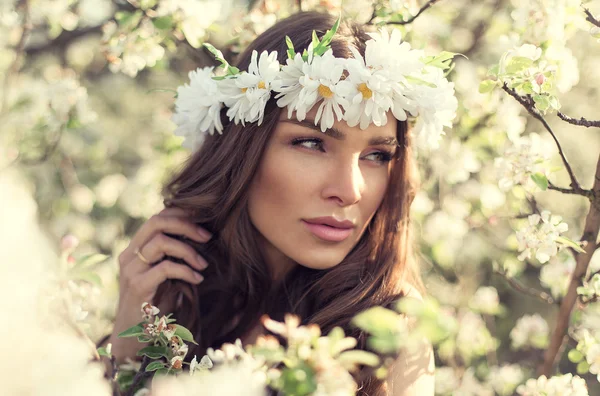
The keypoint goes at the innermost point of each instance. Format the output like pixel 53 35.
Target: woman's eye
pixel 312 144
pixel 380 156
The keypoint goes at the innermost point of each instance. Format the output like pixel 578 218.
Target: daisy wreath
pixel 391 77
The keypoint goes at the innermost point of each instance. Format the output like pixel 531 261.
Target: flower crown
pixel 358 90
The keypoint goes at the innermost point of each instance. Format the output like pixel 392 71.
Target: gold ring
pixel 141 256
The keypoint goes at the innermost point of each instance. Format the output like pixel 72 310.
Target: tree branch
pixel 580 122
pixel 590 235
pixel 412 18
pixel 527 102
pixel 583 192
pixel 530 291
pixel 590 18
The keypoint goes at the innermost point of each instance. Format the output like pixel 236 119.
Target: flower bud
pixel 539 79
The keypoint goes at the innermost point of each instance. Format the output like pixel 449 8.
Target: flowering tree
pixel 508 215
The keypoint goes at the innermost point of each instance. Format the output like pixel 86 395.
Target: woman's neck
pixel 279 264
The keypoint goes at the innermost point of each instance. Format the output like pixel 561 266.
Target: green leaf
pixel 103 352
pixel 517 64
pixel 443 60
pixel 291 52
pixel 541 180
pixel 132 332
pixel 154 352
pixel 184 333
pixel 163 22
pixel 377 320
pixel 575 356
pixel 357 356
pixel 144 338
pixel 90 260
pixel 487 86
pixel 155 366
pixel 385 342
pixel 217 54
pixel 87 276
pixel 420 81
pixel 571 243
pixel 161 371
pixel 322 47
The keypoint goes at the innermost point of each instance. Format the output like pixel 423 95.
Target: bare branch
pixel 530 291
pixel 590 18
pixel 529 105
pixel 580 122
pixel 412 18
pixel 583 192
pixel 590 235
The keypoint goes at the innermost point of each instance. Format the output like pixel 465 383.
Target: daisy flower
pixel 320 83
pixel 367 91
pixel 288 84
pixel 246 94
pixel 197 108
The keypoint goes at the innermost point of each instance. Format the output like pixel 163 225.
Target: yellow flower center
pixel 365 91
pixel 262 85
pixel 244 90
pixel 325 91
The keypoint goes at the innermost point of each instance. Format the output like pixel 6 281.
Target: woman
pixel 285 218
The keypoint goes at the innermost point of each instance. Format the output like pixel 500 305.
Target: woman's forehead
pixel 387 130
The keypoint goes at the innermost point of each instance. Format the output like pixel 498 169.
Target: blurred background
pixel 86 141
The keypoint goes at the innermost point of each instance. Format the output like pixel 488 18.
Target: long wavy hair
pixel 213 187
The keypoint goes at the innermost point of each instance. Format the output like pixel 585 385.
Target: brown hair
pixel 237 290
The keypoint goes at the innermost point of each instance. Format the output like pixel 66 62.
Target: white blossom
pixel 540 239
pixel 197 108
pixel 530 330
pixel 556 275
pixel 504 379
pixel 521 159
pixel 446 380
pixel 247 93
pixel 485 300
pixel 559 385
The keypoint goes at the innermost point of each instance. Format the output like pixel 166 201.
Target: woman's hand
pixel 143 268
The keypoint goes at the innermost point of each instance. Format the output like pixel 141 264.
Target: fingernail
pixel 198 277
pixel 201 261
pixel 204 233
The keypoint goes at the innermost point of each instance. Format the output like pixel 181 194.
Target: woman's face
pixel 308 179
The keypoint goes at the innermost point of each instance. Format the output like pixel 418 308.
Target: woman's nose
pixel 345 183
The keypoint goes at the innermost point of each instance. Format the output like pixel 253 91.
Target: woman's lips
pixel 328 233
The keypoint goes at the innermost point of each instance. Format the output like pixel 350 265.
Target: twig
pixel 527 102
pixel 583 192
pixel 139 376
pixel 590 18
pixel 590 235
pixel 481 28
pixel 530 291
pixel 580 122
pixel 412 18
pixel 19 49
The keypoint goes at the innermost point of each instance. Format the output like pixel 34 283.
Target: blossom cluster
pixel 523 162
pixel 524 70
pixel 563 385
pixel 391 77
pixel 542 240
pixel 530 331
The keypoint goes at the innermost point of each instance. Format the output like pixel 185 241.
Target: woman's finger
pixel 161 245
pixel 159 224
pixel 147 282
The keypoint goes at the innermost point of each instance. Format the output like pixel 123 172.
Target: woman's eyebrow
pixel 339 135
